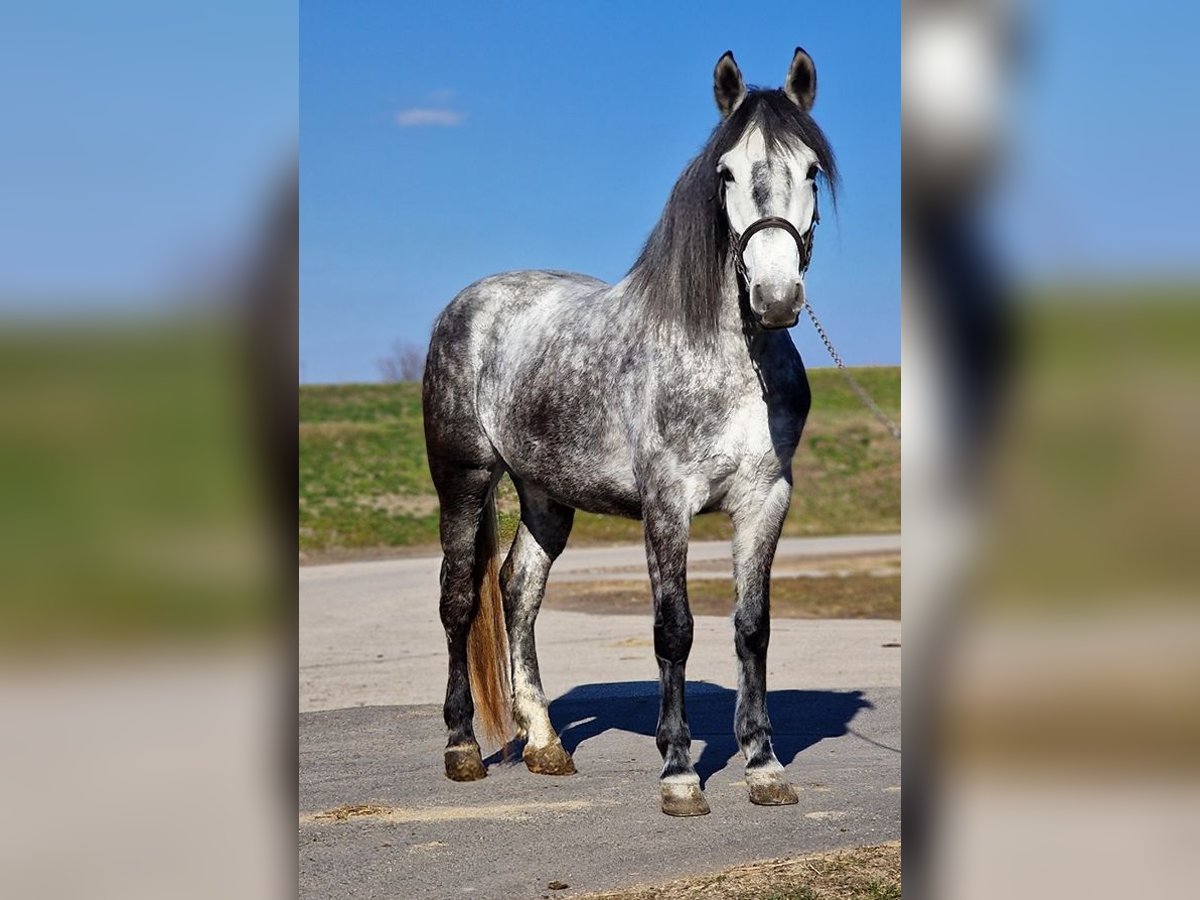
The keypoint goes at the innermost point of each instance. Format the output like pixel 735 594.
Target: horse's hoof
pixel 464 764
pixel 684 800
pixel 772 792
pixel 549 760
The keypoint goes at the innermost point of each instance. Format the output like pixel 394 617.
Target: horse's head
pixel 769 193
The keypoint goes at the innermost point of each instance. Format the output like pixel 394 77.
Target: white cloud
pixel 418 116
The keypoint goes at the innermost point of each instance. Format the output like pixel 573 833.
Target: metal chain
pixel 851 380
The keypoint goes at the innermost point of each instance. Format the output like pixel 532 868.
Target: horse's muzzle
pixel 777 306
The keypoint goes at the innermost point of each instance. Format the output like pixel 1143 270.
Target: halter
pixel 804 242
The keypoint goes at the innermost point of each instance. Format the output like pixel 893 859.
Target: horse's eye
pixel 812 172
pixel 726 175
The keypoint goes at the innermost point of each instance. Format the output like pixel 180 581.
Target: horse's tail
pixel 487 643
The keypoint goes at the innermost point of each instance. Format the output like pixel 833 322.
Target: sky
pixel 1101 176
pixel 444 142
pixel 139 142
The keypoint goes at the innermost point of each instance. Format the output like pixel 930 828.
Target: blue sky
pixel 443 142
pixel 1104 142
pixel 143 139
pixel 139 140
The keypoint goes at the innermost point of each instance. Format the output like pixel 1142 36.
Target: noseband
pixel 804 242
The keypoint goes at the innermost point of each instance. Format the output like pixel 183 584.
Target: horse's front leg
pixel 757 524
pixel 666 552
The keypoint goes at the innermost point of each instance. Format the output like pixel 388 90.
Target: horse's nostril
pixel 760 298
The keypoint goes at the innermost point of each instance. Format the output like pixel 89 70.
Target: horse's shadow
pixel 799 719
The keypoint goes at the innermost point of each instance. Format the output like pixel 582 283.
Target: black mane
pixel 680 271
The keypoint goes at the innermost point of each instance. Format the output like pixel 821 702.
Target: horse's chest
pixel 760 435
pixel 745 448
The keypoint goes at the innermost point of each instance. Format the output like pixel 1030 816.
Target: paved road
pixel 372 670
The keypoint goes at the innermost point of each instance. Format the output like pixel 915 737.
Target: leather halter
pixel 804 242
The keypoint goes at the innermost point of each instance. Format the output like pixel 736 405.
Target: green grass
pixel 365 486
pixel 364 481
pixel 130 502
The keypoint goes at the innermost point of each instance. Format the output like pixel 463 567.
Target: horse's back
pixel 528 359
pixel 487 329
pixel 494 301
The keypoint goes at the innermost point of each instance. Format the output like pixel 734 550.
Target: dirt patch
pixel 816 566
pixel 342 813
pixel 853 596
pixel 331 430
pixel 402 504
pixel 500 811
pixel 862 873
pixel 633 642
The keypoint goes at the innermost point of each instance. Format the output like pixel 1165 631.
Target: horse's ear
pixel 801 84
pixel 728 87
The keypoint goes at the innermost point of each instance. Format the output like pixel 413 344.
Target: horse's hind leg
pixel 464 493
pixel 541 536
pixel 756 533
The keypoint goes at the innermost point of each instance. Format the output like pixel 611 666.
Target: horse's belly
pixel 579 461
pixel 607 498
pixel 593 482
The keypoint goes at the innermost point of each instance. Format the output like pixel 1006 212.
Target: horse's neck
pixel 733 321
pixel 744 352
pixel 739 347
pixel 743 341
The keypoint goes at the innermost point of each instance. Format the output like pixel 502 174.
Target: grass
pixel 365 487
pixel 131 506
pixel 862 873
pixel 362 453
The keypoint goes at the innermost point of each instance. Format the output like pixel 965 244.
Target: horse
pixel 674 392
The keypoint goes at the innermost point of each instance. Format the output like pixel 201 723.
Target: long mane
pixel 681 270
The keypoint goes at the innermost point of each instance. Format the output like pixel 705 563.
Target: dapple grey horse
pixel 673 392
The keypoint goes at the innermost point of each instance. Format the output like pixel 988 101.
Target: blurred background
pixel 148 230
pixel 1051 433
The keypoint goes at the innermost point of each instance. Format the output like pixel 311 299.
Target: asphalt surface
pixel 372 673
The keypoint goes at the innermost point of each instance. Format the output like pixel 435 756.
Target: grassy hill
pixel 365 486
